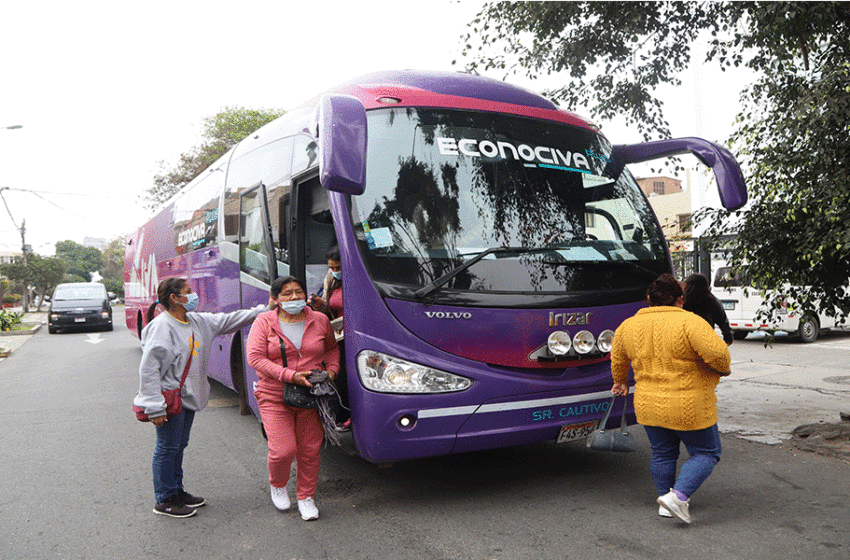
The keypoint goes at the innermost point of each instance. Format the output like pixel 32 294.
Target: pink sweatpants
pixel 294 433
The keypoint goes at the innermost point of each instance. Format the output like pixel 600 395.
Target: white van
pixel 742 302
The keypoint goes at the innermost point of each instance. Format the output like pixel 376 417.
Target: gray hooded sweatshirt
pixel 165 351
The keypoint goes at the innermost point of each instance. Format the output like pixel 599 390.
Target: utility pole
pixel 26 295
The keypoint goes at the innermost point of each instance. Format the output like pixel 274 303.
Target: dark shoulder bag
pixel 295 395
pixel 618 439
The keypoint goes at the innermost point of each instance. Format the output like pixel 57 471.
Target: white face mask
pixel 337 274
pixel 293 307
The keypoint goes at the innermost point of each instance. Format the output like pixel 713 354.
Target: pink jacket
pixel 317 346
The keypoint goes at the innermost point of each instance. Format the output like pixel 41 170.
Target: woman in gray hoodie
pixel 168 343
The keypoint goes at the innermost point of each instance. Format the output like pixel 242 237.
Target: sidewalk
pixel 11 341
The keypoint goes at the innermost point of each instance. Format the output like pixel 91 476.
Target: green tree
pixel 791 132
pixel 45 274
pixel 16 274
pixel 113 265
pixel 82 261
pixel 221 132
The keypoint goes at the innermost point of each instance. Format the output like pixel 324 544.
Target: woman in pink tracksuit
pixel 293 433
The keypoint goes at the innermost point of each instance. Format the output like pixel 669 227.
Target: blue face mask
pixel 293 307
pixel 337 274
pixel 192 302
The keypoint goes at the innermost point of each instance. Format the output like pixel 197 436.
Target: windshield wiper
pixel 436 284
pixel 631 264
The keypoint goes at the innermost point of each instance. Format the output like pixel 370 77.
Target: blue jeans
pixel 171 439
pixel 703 447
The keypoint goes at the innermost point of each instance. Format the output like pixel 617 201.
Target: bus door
pixel 257 265
pixel 313 236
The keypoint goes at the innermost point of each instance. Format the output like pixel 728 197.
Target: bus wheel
pixel 237 372
pixel 139 325
pixel 809 329
pixel 740 335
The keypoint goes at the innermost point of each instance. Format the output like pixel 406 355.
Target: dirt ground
pixel 827 439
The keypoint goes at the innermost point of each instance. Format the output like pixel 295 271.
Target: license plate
pixel 729 305
pixel 79 319
pixel 573 432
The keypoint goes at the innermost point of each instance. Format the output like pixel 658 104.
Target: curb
pixel 5 352
pixel 33 330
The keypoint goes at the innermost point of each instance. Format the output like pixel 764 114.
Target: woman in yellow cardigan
pixel 677 360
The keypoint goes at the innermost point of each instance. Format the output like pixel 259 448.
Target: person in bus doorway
pixel 700 300
pixel 329 302
pixel 329 299
pixel 169 341
pixel 284 346
pixel 677 361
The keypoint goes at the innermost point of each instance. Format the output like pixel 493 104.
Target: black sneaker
pixel 190 500
pixel 173 508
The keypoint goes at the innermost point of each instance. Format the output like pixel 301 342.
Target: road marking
pixel 94 338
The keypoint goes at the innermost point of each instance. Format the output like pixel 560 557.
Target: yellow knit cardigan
pixel 678 360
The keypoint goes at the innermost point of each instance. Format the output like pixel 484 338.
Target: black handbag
pixel 618 439
pixel 299 396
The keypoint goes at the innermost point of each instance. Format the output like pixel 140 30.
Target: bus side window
pixel 269 164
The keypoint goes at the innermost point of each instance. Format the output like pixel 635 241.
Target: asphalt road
pixel 75 474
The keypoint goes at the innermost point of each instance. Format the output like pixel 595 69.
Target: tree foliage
pixel 221 132
pixel 791 134
pixel 45 274
pixel 41 273
pixel 82 261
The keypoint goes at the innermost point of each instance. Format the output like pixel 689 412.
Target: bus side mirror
pixel 730 180
pixel 342 144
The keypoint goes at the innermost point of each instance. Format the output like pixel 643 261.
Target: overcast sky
pixel 106 90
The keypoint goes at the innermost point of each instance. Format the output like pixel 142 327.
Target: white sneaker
pixel 662 511
pixel 308 509
pixel 674 505
pixel 280 498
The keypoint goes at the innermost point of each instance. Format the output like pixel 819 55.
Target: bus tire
pixel 809 329
pixel 740 335
pixel 237 372
pixel 139 324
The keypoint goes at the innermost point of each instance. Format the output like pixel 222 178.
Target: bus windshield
pixel 541 201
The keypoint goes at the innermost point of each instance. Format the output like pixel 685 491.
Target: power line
pixel 64 193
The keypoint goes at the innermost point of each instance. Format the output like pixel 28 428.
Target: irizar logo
pixel 448 314
pixel 568 319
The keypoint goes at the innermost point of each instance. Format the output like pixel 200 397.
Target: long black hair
pixel 698 296
pixel 166 288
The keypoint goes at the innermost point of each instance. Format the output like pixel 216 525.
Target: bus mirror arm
pixel 730 180
pixel 342 144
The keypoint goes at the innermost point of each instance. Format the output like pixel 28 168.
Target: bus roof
pixel 460 90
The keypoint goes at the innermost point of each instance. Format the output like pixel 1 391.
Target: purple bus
pixel 490 245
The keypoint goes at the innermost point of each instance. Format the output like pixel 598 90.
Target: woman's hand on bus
pixel 300 378
pixel 620 389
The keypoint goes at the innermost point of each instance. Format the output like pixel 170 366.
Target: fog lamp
pixel 559 343
pixel 584 342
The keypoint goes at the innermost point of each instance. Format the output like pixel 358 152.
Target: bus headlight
pixel 559 343
pixel 584 342
pixel 387 374
pixel 604 341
